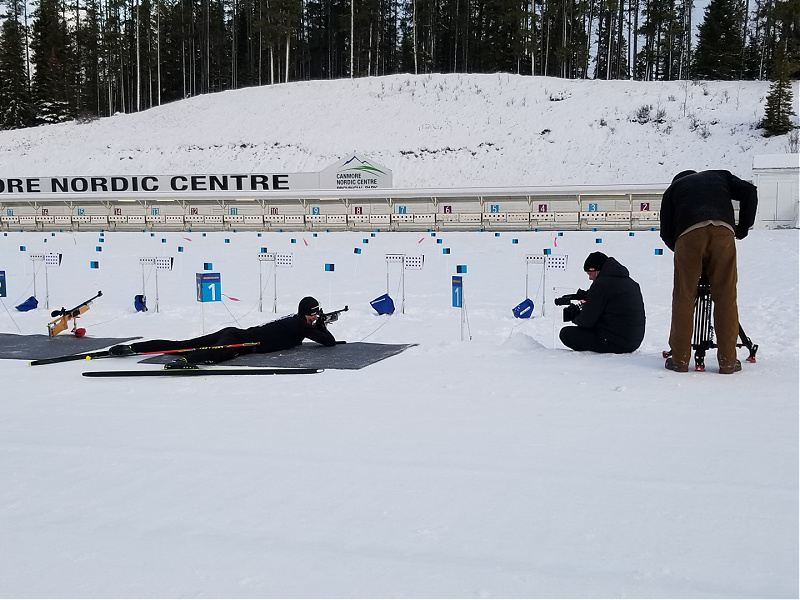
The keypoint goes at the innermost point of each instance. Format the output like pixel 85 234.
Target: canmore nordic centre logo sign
pixel 356 173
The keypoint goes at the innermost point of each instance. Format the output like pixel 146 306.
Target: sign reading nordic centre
pixel 352 173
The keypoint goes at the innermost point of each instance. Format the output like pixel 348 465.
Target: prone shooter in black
pixel 310 322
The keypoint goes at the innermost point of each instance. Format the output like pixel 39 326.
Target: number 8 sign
pixel 209 287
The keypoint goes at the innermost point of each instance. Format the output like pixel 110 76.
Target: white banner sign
pixel 351 173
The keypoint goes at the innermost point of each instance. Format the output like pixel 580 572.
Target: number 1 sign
pixel 209 287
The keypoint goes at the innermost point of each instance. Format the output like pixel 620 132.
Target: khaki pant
pixel 711 249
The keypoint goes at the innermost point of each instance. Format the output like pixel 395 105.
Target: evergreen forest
pixel 83 59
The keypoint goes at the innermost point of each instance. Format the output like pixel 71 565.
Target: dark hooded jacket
pixel 696 197
pixel 614 307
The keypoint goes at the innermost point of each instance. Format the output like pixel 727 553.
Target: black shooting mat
pixel 355 355
pixel 38 346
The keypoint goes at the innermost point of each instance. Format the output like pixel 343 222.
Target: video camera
pixel 571 310
pixel 578 296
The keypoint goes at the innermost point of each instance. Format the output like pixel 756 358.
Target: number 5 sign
pixel 209 287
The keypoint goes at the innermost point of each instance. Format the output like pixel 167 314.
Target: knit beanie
pixel 308 306
pixel 594 262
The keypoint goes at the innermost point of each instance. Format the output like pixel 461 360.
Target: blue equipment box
pixel 384 305
pixel 523 310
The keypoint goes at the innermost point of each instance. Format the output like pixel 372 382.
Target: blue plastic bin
pixel 384 305
pixel 523 310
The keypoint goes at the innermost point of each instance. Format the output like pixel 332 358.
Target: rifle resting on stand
pixel 64 316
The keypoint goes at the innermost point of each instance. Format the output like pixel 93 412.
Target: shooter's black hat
pixel 308 306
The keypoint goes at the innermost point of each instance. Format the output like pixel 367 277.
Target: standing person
pixel 612 317
pixel 698 225
pixel 281 334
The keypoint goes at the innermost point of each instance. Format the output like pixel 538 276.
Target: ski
pixel 107 354
pixel 203 372
pixel 69 357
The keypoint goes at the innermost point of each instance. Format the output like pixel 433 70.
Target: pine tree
pixel 54 79
pixel 652 61
pixel 720 45
pixel 611 61
pixel 87 36
pixel 778 113
pixel 15 108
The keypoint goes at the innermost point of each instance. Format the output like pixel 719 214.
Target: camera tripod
pixel 703 333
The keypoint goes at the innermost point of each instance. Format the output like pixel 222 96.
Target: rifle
pixel 64 316
pixel 331 317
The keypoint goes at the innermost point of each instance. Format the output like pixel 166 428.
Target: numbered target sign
pixel 458 291
pixel 209 287
pixel 2 284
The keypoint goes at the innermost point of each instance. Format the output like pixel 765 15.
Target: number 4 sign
pixel 209 287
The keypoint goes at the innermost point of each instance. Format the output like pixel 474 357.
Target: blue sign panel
pixel 458 291
pixel 209 287
pixel 3 292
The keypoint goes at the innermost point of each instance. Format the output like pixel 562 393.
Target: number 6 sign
pixel 209 287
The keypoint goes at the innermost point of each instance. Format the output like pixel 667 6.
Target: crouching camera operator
pixel 609 318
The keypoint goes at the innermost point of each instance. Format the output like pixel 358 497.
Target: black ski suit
pixel 612 319
pixel 280 334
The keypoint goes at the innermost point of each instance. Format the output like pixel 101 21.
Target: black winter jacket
pixel 287 332
pixel 706 196
pixel 614 307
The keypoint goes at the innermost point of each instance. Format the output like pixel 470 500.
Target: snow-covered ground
pixel 432 131
pixel 499 466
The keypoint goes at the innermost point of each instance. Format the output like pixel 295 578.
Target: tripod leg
pixel 703 335
pixel 748 343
